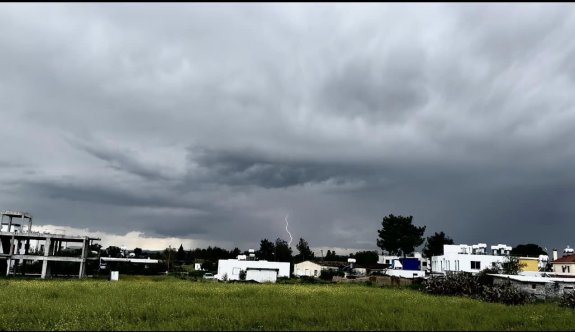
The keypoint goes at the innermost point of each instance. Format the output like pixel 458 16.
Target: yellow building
pixel 529 264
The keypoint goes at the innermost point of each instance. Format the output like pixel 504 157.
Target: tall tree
pixel 528 250
pixel 283 252
pixel 434 244
pixel 399 236
pixel 169 256
pixel 181 255
pixel 305 252
pixel 267 250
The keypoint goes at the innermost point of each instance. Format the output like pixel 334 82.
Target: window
pixel 315 273
pixel 236 271
pixel 475 265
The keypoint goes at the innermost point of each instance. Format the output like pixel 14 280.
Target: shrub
pixel 568 300
pixel 452 284
pixel 329 274
pixel 505 293
pixel 479 287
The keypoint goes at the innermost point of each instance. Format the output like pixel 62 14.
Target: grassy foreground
pixel 164 303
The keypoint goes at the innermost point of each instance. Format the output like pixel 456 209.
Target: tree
pixel 267 250
pixel 137 252
pixel 399 236
pixel 328 255
pixel 528 250
pixel 169 255
pixel 305 252
pixel 365 257
pixel 512 266
pixel 434 244
pixel 113 251
pixel 283 252
pixel 181 255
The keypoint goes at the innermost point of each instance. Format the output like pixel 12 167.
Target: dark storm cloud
pixel 215 121
pixel 250 168
pixel 388 87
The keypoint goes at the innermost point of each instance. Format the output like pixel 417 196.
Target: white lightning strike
pixel 287 224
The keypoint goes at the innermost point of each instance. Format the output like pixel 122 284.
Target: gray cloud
pixel 214 121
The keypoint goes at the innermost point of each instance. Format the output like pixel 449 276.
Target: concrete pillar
pixel 11 252
pixel 45 268
pixel 82 271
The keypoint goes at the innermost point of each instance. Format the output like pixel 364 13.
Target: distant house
pixel 564 265
pixel 260 271
pixel 533 264
pixel 395 262
pixel 465 258
pixel 540 287
pixel 314 268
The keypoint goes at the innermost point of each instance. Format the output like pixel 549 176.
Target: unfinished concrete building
pixel 20 246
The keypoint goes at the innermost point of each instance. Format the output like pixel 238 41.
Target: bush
pixel 568 300
pixel 452 284
pixel 506 294
pixel 479 287
pixel 329 274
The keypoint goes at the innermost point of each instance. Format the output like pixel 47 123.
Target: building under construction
pixel 20 246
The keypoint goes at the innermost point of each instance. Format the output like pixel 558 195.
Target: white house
pixel 313 269
pixel 474 258
pixel 260 271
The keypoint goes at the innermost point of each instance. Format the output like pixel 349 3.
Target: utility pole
pixel 169 255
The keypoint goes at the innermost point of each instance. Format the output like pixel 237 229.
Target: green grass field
pixel 166 303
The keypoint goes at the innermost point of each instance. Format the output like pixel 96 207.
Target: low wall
pixel 381 280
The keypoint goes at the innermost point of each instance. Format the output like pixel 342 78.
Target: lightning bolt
pixel 287 224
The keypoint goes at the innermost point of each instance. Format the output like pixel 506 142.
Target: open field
pixel 166 303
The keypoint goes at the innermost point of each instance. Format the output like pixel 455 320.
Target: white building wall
pixel 310 269
pixel 261 275
pixel 464 258
pixel 232 267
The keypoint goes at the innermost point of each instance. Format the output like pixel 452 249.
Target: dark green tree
pixel 399 236
pixel 138 252
pixel 181 254
pixel 267 250
pixel 328 255
pixel 434 244
pixel 113 251
pixel 283 252
pixel 305 252
pixel 365 257
pixel 234 253
pixel 528 250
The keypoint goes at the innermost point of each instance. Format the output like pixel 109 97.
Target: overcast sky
pixel 208 123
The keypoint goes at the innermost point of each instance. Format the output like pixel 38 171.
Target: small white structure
pixel 313 269
pixel 465 258
pixel 114 275
pixel 260 271
pixel 394 263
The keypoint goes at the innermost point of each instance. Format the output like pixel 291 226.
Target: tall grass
pixel 163 303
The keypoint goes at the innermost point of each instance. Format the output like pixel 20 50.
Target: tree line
pixel 398 236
